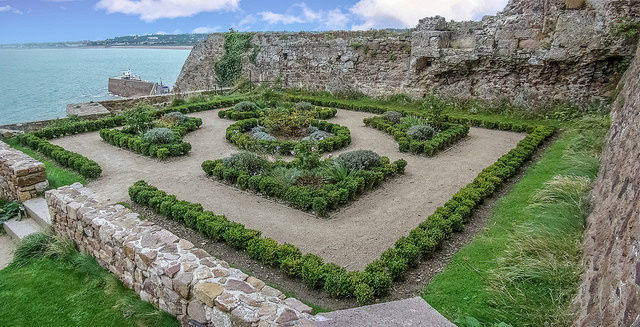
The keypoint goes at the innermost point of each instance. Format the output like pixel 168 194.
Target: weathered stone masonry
pixel 166 270
pixel 533 51
pixel 610 291
pixel 21 177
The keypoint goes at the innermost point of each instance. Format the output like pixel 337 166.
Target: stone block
pixel 207 292
pixel 575 4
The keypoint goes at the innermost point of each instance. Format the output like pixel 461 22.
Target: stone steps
pixel 409 312
pixel 37 219
pixel 19 229
pixel 38 210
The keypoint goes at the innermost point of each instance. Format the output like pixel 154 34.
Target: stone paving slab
pixel 409 312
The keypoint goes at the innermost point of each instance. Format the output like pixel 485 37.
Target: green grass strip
pixel 461 290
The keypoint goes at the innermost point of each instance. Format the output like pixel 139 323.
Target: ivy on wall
pixel 229 67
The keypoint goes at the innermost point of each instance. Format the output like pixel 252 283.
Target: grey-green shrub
pixel 258 129
pixel 316 136
pixel 176 116
pixel 304 106
pixel 159 135
pixel 246 106
pixel 410 121
pixel 392 116
pixel 421 132
pixel 286 176
pixel 245 160
pixel 360 159
pixel 263 136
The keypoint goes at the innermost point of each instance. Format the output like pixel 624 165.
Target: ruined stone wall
pixel 168 271
pixel 609 294
pixel 21 177
pixel 130 88
pixel 533 51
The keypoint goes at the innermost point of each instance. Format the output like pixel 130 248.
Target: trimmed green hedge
pixel 236 135
pixel 490 123
pixel 378 276
pixel 202 106
pixel 450 134
pixel 318 113
pixel 79 127
pixel 320 200
pixel 138 144
pixel 83 165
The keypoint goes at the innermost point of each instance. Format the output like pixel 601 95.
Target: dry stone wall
pixel 609 294
pixel 534 51
pixel 168 271
pixel 21 177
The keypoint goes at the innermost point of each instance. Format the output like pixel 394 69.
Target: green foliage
pixel 177 102
pixel 336 172
pixel 304 106
pixel 263 136
pixel 364 293
pixel 246 106
pixel 10 210
pixel 159 136
pixel 316 136
pixel 627 29
pixel 421 132
pixel 393 117
pixel 286 122
pixel 140 117
pixel 229 68
pixel 410 121
pixel 246 161
pixel 360 159
pixel 175 117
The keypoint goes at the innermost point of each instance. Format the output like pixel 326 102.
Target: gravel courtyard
pixel 351 237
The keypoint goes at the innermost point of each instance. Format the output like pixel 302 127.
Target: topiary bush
pixel 159 135
pixel 281 121
pixel 247 161
pixel 263 136
pixel 316 136
pixel 392 117
pixel 360 159
pixel 421 132
pixel 246 106
pixel 175 117
pixel 306 106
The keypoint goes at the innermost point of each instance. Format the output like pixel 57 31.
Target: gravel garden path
pixel 353 236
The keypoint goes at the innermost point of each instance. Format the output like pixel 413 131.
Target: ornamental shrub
pixel 363 293
pixel 263 136
pixel 421 132
pixel 360 159
pixel 306 106
pixel 392 117
pixel 159 135
pixel 316 136
pixel 258 129
pixel 175 117
pixel 246 106
pixel 312 271
pixel 247 161
pixel 281 121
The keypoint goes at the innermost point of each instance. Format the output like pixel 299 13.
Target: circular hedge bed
pixel 237 134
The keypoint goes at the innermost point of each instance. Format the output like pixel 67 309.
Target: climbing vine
pixel 229 67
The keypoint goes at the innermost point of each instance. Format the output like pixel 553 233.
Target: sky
pixel 24 21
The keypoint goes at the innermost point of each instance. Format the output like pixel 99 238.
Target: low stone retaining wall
pixel 166 270
pixel 21 177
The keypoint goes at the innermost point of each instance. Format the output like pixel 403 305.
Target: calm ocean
pixel 38 84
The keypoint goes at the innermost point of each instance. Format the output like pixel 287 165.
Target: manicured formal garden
pixel 296 148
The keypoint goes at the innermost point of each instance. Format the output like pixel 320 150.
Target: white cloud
pixel 151 10
pixel 8 8
pixel 207 29
pixel 300 13
pixel 407 13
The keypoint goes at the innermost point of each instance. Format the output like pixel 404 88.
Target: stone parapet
pixel 167 271
pixel 21 177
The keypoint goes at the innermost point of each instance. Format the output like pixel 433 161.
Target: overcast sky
pixel 70 20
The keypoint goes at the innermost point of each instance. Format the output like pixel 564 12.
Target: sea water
pixel 37 84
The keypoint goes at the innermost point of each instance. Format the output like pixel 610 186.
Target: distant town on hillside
pixel 149 40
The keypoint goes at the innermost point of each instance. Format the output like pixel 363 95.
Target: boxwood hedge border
pixel 378 276
pixel 39 140
pixel 236 134
pixel 330 197
pixel 318 113
pixel 450 135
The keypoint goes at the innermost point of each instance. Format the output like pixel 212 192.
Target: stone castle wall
pixel 533 51
pixel 609 294
pixel 130 88
pixel 21 177
pixel 168 271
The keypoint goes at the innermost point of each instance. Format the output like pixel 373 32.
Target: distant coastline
pixel 164 47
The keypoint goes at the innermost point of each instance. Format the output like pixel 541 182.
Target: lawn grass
pixel 70 290
pixel 56 175
pixel 523 269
